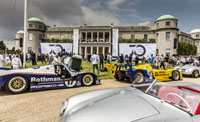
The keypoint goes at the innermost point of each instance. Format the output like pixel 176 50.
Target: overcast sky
pixel 97 12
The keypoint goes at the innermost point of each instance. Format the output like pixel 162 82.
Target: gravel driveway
pixel 44 106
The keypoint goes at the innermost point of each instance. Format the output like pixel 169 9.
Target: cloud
pixel 144 23
pixel 114 4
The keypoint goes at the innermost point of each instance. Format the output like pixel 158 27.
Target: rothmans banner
pixel 142 50
pixel 49 48
pixel 115 37
pixel 75 39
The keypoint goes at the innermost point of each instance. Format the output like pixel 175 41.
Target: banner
pixel 115 36
pixel 48 48
pixel 142 50
pixel 75 39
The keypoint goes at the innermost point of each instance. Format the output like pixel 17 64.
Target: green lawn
pixel 86 68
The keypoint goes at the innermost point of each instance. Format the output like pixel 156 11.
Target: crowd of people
pixel 15 60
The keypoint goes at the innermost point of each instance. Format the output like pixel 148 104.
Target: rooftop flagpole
pixel 26 7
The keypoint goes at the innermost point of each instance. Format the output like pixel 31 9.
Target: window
pixel 145 37
pixel 29 49
pixel 175 43
pixel 167 35
pixel 132 37
pixel 40 26
pixel 196 43
pixel 157 25
pixel 62 36
pixel 197 35
pixel 30 36
pixel 157 34
pixel 21 42
pixel 40 36
pixel 167 23
pixel 30 25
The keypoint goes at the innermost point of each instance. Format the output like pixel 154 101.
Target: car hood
pixel 187 67
pixel 116 106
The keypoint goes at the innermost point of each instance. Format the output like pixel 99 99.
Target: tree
pixel 137 41
pixel 2 46
pixel 185 48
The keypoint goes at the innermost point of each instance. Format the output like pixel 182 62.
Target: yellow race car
pixel 160 74
pixel 139 73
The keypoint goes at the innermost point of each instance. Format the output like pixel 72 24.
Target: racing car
pixel 139 73
pixel 189 70
pixel 64 75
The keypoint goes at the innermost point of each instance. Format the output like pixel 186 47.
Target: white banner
pixel 115 37
pixel 75 39
pixel 137 49
pixel 55 48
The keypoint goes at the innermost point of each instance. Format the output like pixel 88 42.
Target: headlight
pixel 150 73
pixel 63 107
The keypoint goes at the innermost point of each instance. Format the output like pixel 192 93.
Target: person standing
pixel 56 59
pixel 94 59
pixel 152 59
pixel 16 62
pixel 7 60
pixel 101 62
pixel 136 60
pixel 109 58
pixel 126 59
pixel 1 60
pixel 121 59
pixel 130 59
pixel 162 62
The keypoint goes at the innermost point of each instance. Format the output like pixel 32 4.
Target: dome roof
pixel 195 31
pixel 20 32
pixel 35 19
pixel 163 17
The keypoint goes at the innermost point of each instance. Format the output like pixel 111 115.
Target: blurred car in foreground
pixel 156 102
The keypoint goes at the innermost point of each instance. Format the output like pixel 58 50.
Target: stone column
pixel 97 36
pixel 79 50
pixel 91 50
pixel 109 48
pixel 97 50
pixel 109 37
pixel 86 36
pixel 86 50
pixel 92 36
pixel 103 36
pixel 103 50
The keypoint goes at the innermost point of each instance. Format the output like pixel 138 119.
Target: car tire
pixel 119 76
pixel 16 85
pixel 195 74
pixel 88 80
pixel 139 78
pixel 175 75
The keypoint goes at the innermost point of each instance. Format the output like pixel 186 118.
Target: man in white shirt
pixel 56 59
pixel 1 60
pixel 16 62
pixel 94 59
pixel 7 60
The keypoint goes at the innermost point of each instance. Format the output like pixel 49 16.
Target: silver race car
pixel 189 70
pixel 157 102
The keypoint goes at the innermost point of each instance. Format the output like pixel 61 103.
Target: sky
pixel 96 12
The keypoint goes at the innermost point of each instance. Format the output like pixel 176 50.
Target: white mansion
pixel 99 38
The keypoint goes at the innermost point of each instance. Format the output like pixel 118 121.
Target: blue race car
pixel 133 75
pixel 64 75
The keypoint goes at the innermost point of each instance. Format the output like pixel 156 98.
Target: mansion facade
pixel 99 39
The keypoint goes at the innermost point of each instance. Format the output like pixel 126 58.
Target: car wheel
pixel 195 74
pixel 175 75
pixel 16 85
pixel 119 76
pixel 88 80
pixel 138 78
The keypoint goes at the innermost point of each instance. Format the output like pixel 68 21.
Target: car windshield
pixel 184 97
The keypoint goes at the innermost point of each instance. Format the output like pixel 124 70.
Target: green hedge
pixel 185 48
pixel 57 40
pixel 137 41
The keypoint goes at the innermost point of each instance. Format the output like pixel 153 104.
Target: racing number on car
pixel 70 83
